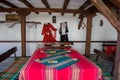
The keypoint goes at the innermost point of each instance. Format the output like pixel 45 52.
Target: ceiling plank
pixel 116 2
pixel 42 10
pixel 87 3
pixel 66 2
pixel 8 3
pixel 46 4
pixel 28 4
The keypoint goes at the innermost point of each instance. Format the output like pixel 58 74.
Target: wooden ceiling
pixel 53 6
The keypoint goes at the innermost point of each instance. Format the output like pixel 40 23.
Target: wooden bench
pixel 4 56
pixel 12 71
pixel 108 52
pixel 110 57
pixel 8 54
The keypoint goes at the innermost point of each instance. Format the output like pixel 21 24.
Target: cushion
pixel 110 49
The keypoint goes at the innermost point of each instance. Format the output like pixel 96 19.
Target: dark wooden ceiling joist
pixel 66 2
pixel 107 13
pixel 116 2
pixel 25 22
pixel 92 10
pixel 81 20
pixel 86 4
pixel 8 3
pixel 1 7
pixel 46 4
pixel 28 4
pixel 42 10
pixel 112 7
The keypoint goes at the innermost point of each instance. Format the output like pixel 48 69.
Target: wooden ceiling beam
pixel 116 2
pixel 25 22
pixel 87 3
pixel 1 7
pixel 8 3
pixel 42 10
pixel 46 4
pixel 107 13
pixel 66 2
pixel 81 20
pixel 112 7
pixel 28 4
pixel 92 10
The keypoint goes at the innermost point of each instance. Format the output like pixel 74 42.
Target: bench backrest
pixel 8 53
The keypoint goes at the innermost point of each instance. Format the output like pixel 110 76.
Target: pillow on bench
pixel 110 49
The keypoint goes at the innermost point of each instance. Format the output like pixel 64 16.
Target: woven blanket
pixel 82 70
pixel 12 71
pixel 59 61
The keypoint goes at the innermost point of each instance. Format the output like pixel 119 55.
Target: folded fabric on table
pixel 59 61
pixel 57 52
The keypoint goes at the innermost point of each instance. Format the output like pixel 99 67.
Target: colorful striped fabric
pixel 59 61
pixel 57 51
pixel 12 71
pixel 82 70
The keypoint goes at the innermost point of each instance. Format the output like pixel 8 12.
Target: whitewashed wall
pixel 106 32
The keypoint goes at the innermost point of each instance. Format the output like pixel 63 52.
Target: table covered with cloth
pixel 84 69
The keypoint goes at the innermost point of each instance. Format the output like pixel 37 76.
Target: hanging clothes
pixel 63 31
pixel 49 33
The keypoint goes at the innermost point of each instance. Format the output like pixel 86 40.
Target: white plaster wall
pixel 102 33
pixel 107 32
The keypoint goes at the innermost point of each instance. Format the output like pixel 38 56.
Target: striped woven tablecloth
pixel 81 70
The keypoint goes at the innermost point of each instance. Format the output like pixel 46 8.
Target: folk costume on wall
pixel 63 31
pixel 49 33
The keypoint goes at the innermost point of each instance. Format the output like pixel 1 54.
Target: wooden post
pixel 23 14
pixel 88 36
pixel 23 35
pixel 117 60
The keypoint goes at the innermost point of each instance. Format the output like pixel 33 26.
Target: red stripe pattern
pixel 82 70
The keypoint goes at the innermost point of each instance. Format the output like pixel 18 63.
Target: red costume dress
pixel 49 33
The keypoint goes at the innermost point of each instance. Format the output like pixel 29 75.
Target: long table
pixel 82 70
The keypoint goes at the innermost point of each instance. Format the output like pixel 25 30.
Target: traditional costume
pixel 49 33
pixel 63 32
